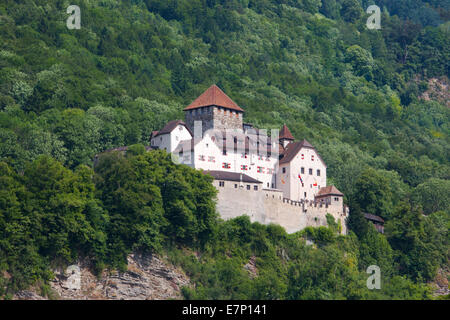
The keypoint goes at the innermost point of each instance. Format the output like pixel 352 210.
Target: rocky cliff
pixel 146 278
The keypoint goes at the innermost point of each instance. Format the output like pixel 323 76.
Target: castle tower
pixel 215 110
pixel 285 136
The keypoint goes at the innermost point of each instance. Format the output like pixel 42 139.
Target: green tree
pixel 433 195
pixel 373 193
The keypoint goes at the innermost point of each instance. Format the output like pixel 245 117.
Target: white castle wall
pixel 308 159
pixel 268 206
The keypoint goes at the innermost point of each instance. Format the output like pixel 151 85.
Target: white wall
pixel 292 188
pixel 162 142
pixel 207 148
pixel 178 134
pixel 170 141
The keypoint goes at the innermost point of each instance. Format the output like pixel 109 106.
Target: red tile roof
pixel 231 176
pixel 285 133
pixel 329 190
pixel 293 148
pixel 170 126
pixel 373 217
pixel 214 97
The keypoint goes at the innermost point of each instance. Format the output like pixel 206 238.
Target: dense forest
pixel 362 97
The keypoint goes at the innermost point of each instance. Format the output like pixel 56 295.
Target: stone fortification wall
pixel 227 119
pixel 268 206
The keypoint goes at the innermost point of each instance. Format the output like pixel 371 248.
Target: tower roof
pixel 285 133
pixel 329 190
pixel 214 96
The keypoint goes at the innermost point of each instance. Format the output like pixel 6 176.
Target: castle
pixel 272 179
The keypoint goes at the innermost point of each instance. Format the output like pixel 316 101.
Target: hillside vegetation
pixel 66 95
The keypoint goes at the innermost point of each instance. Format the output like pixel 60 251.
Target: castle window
pixel 310 171
pixel 201 157
pixel 221 183
pixel 255 188
pixel 235 185
pixel 267 185
pixel 248 187
pixel 336 199
pixel 302 170
pixel 303 157
pixel 312 158
pixel 284 170
pixel 226 165
pixel 211 159
pixel 305 194
pixel 318 172
pixel 273 186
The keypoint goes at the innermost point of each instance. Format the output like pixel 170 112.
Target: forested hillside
pixel 354 93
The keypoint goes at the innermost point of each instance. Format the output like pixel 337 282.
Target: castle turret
pixel 285 136
pixel 215 110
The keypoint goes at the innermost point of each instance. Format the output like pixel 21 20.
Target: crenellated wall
pixel 268 206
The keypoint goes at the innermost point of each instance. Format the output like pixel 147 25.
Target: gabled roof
pixel 373 217
pixel 170 126
pixel 293 148
pixel 285 133
pixel 329 191
pixel 214 96
pixel 230 176
pixel 153 134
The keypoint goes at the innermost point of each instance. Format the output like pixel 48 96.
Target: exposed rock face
pixel 147 278
pixel 27 295
pixel 438 89
pixel 251 267
pixel 440 283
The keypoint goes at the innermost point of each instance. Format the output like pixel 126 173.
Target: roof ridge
pixel 285 133
pixel 214 96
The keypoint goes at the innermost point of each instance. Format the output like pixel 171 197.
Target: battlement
pixel 269 206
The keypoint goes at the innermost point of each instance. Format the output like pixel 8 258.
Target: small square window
pixel 284 170
pixel 318 173
pixel 248 187
pixel 302 170
pixel 310 171
pixel 255 188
